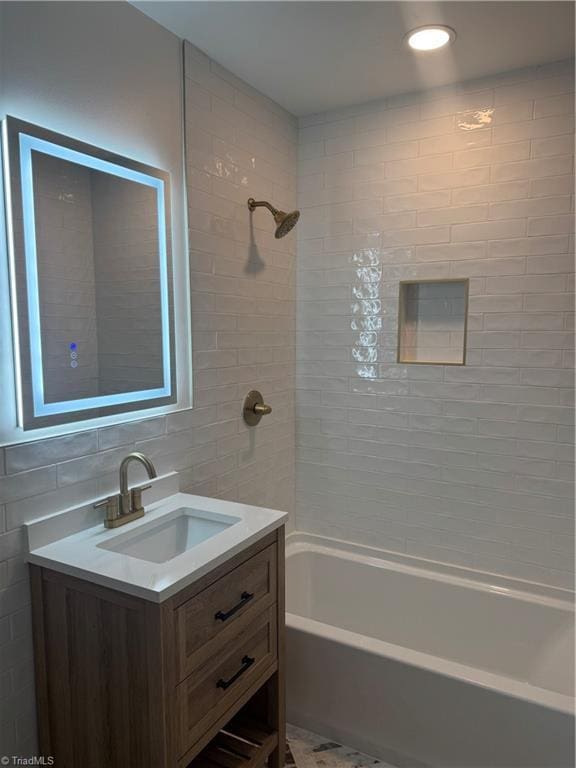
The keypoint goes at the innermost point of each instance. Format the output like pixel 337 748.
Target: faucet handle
pixel 136 494
pixel 254 408
pixel 112 507
pixel 261 409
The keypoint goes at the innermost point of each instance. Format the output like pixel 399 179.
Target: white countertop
pixel 81 555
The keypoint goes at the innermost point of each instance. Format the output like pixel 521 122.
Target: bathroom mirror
pixel 91 279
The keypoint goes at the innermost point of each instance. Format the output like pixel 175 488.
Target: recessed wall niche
pixel 432 319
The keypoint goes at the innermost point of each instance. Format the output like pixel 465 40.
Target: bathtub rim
pixel 484 581
pixel 551 596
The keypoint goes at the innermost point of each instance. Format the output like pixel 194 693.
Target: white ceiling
pixel 315 56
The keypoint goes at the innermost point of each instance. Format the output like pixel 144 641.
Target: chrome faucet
pixel 127 505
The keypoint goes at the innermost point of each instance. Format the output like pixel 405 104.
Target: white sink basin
pixel 179 540
pixel 172 535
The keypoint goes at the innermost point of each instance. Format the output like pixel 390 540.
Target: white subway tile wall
pixel 239 144
pixel 470 465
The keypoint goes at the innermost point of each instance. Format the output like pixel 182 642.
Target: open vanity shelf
pixel 242 743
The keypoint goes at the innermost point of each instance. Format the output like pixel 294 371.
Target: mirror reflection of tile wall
pixel 65 253
pixel 98 270
pixel 128 294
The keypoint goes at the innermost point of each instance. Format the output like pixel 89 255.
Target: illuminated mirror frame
pixel 19 140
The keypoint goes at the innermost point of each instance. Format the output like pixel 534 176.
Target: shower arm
pixel 252 204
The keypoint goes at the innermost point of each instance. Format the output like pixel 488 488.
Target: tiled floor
pixel 308 750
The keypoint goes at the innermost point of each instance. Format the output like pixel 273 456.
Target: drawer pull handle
pixel 245 597
pixel 247 662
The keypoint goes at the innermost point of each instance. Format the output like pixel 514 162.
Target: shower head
pixel 284 221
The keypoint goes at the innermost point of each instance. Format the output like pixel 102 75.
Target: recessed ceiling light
pixel 430 38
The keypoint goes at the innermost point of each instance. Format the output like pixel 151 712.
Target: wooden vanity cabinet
pixel 195 680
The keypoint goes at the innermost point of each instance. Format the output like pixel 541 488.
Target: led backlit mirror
pixel 91 279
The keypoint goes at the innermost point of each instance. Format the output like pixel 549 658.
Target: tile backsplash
pixel 470 465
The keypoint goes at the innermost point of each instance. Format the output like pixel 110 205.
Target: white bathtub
pixel 420 664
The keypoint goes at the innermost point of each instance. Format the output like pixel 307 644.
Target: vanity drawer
pixel 209 692
pixel 218 613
